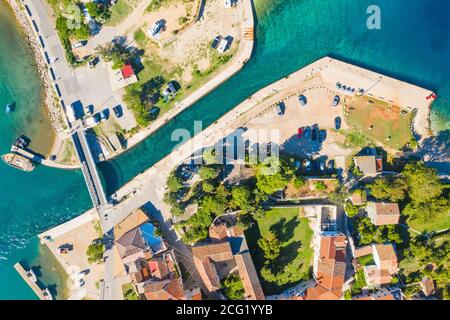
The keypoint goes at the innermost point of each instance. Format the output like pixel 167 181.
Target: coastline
pixel 52 112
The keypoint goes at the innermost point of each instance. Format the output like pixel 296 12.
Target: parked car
pixel 216 42
pixel 336 101
pixel 307 164
pixel 279 109
pixel 118 112
pixel 103 116
pixel 307 133
pixel 300 132
pixel 303 101
pixel 156 28
pixel 322 166
pixel 337 123
pixel 330 165
pixel 93 62
pixel 315 134
pixel 322 135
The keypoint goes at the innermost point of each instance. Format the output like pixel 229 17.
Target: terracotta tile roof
pixel 330 246
pixel 134 220
pixel 218 233
pixel 382 213
pixel 204 258
pixel 169 289
pixel 319 293
pixel 249 277
pixel 375 276
pixel 158 268
pixel 363 251
pixel 193 294
pixel 387 256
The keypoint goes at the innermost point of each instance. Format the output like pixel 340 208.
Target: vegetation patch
pixel 233 287
pixel 280 243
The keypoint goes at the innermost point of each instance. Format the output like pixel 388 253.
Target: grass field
pixel 381 121
pixel 440 223
pixel 295 235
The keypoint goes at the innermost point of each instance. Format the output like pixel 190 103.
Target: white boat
pixel 47 295
pixel 8 109
pixel 31 275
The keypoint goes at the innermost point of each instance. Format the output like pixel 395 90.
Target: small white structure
pixel 223 45
pixel 91 121
pixel 228 4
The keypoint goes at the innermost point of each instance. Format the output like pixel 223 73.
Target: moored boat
pixel 18 162
pixel 31 275
pixel 8 109
pixel 47 294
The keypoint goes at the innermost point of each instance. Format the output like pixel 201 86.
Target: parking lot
pixel 317 137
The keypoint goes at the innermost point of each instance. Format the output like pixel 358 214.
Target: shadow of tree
pixel 283 230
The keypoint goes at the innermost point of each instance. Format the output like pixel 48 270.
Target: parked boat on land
pixel 18 162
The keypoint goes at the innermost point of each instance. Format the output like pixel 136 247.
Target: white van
pixel 223 45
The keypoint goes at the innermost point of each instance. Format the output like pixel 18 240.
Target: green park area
pixel 280 243
pixel 380 121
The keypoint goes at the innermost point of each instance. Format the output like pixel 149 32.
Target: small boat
pixel 21 142
pixel 47 295
pixel 8 108
pixel 18 162
pixel 31 275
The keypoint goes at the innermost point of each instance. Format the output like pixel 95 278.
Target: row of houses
pixel 148 262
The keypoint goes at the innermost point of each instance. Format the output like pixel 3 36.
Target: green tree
pixel 273 175
pixel 351 210
pixel 208 173
pixel 423 182
pixel 427 211
pixel 209 156
pixel 233 287
pixel 94 252
pixel 271 248
pixel 389 188
pixel 208 187
pixel 320 186
pixel 242 198
pixel 299 182
pixel 174 183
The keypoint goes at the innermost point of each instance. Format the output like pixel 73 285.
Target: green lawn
pixel 128 292
pixel 440 223
pixel 119 12
pixel 380 121
pixel 295 235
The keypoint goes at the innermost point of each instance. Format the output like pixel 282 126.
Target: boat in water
pixel 8 108
pixel 31 275
pixel 21 142
pixel 18 162
pixel 47 295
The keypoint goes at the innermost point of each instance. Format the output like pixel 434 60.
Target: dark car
pixel 336 101
pixel 337 123
pixel 307 165
pixel 322 135
pixel 315 134
pixel 307 132
pixel 93 62
pixel 118 112
pixel 330 165
pixel 303 101
pixel 322 166
pixel 216 42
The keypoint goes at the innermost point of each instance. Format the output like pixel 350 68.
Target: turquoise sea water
pixel 413 45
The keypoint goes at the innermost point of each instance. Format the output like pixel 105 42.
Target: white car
pixel 155 29
pixel 223 45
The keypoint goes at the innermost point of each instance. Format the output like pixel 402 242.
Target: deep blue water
pixel 413 45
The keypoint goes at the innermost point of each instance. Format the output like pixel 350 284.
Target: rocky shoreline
pixel 50 101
